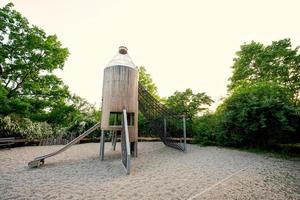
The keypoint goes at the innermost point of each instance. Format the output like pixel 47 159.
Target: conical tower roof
pixel 121 58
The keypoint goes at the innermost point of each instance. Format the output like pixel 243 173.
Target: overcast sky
pixel 182 44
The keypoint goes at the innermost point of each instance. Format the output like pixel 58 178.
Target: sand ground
pixel 159 172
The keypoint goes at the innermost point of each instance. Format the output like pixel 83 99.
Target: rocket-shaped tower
pixel 120 91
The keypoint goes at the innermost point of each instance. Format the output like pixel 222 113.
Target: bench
pixel 7 142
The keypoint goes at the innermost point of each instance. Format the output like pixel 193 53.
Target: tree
pixel 146 80
pixel 205 129
pixel 187 103
pixel 34 102
pixel 260 114
pixel 277 63
pixel 83 116
pixel 28 58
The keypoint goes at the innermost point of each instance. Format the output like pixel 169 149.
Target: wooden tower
pixel 120 91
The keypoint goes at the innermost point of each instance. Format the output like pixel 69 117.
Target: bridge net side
pixel 163 123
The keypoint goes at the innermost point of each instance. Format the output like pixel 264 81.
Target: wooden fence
pixel 62 141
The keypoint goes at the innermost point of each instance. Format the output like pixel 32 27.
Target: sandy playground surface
pixel 158 173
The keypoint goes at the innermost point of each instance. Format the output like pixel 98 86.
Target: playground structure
pixel 120 105
pixel 122 96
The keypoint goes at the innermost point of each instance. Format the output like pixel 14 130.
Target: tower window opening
pixel 115 119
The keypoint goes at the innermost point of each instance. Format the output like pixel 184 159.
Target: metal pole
pixel 165 128
pixel 114 140
pixel 184 133
pixel 102 145
pixel 135 149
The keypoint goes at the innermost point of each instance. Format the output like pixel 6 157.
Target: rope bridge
pixel 171 128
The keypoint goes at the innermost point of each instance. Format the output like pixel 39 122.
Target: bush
pixel 258 115
pixel 12 126
pixel 144 126
pixel 79 126
pixel 205 129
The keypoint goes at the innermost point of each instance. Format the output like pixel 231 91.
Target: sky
pixel 182 44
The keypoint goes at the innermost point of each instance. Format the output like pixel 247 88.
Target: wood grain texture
pixel 120 91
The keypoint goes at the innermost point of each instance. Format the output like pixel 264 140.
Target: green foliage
pixel 146 80
pixel 259 114
pixel 28 58
pixel 144 126
pixel 82 116
pixel 277 63
pixel 189 104
pixel 263 107
pixel 205 129
pixel 13 126
pixel 4 107
pixel 183 103
pixel 39 101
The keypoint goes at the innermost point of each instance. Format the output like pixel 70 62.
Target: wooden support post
pixel 184 134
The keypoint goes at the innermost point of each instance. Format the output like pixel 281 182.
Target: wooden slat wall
pixel 120 90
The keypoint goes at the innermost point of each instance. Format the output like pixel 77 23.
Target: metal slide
pixel 38 161
pixel 125 144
